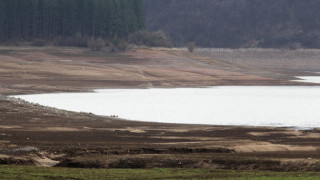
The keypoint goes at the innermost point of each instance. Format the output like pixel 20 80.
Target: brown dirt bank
pixel 47 136
pixel 32 134
pixel 51 69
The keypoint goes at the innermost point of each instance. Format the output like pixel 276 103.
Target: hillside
pixel 237 23
pixel 27 70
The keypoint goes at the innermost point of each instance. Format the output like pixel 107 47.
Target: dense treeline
pixel 237 23
pixel 47 19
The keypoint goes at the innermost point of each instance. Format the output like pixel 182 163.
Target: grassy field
pixel 35 173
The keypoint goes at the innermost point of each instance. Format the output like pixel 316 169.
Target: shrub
pixel 118 45
pixel 78 40
pixel 63 41
pixel 152 39
pixel 38 43
pixel 191 46
pixel 96 44
pixel 11 43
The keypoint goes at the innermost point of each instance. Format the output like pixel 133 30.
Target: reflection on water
pixel 309 79
pixel 238 105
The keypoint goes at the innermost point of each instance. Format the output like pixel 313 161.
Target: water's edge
pixel 233 106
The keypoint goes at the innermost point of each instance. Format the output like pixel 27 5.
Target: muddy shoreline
pixel 37 135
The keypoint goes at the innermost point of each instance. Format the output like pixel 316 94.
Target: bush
pixel 152 39
pixel 96 44
pixel 38 43
pixel 191 46
pixel 80 41
pixel 77 40
pixel 11 43
pixel 63 41
pixel 118 45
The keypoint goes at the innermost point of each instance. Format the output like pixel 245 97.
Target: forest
pixel 25 20
pixel 237 23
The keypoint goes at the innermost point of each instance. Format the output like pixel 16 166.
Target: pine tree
pixel 140 14
pixel 47 19
pixel 2 19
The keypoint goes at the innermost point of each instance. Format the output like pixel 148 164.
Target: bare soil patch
pixel 297 60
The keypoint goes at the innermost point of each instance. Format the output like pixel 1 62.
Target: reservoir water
pixel 288 106
pixel 309 79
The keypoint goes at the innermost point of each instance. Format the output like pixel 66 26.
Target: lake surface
pixel 309 79
pixel 227 105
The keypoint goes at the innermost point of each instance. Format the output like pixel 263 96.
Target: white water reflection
pixel 238 105
pixel 309 79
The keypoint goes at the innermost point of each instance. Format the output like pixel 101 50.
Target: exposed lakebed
pixel 289 106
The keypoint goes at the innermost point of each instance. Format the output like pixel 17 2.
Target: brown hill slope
pixel 29 70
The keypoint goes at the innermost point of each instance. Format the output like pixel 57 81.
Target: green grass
pixel 36 173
